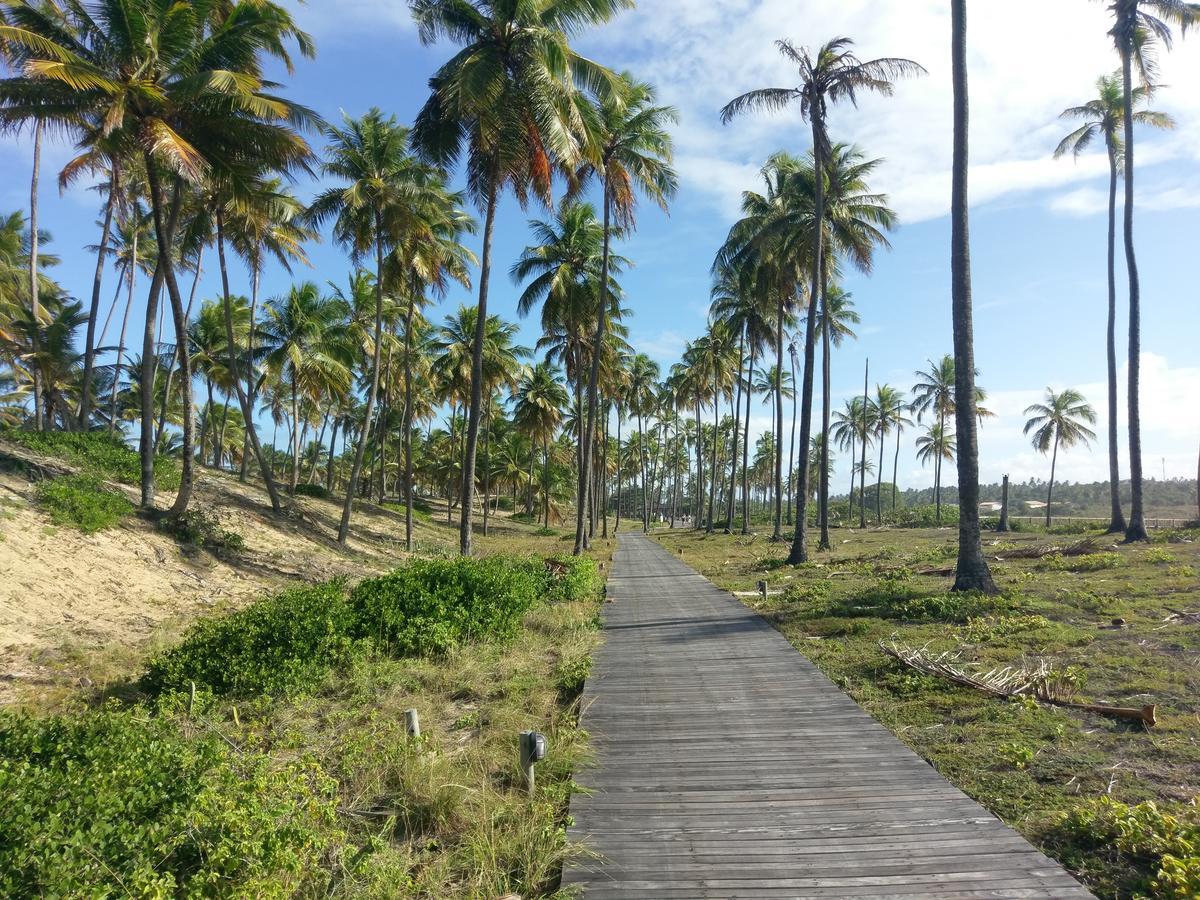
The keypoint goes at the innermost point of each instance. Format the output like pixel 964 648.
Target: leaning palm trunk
pixel 373 393
pixel 162 410
pixel 972 569
pixel 826 402
pixel 243 394
pixel 1117 524
pixel 89 352
pixel 1136 530
pixel 112 416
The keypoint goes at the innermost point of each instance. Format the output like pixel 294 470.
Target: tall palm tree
pixel 387 196
pixel 640 398
pixel 1103 119
pixel 936 445
pixel 508 99
pixel 836 321
pixel 833 74
pixel 1059 422
pixel 972 571
pixel 629 151
pixel 1139 26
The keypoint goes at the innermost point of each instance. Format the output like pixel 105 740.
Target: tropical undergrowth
pixel 266 754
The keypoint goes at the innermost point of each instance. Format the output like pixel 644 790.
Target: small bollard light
pixel 533 750
pixel 762 590
pixel 412 723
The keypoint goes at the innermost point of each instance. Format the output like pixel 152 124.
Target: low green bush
pixel 83 502
pixel 114 803
pixel 572 578
pixel 96 452
pixel 924 516
pixel 429 607
pixel 200 527
pixel 1087 562
pixel 1163 838
pixel 283 645
pixel 313 490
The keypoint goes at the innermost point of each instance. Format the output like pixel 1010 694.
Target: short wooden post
pixel 533 748
pixel 412 723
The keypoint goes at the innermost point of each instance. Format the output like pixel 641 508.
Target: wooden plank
pixel 728 766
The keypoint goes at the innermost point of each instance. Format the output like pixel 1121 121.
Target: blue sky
pixel 1038 224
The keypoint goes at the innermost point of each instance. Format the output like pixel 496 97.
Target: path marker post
pixel 533 751
pixel 412 723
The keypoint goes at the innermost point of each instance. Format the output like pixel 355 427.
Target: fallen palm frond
pixel 1079 548
pixel 1038 679
pixel 1187 617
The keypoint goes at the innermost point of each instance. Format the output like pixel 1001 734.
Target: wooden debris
pixel 1039 680
pixel 1080 548
pixel 1185 617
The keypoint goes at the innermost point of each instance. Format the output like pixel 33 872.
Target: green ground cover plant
pixel 97 453
pixel 82 502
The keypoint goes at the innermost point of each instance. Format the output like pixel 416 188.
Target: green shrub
pixel 986 628
pixel 312 490
pixel 115 803
pixel 1164 839
pixel 1159 556
pixel 570 675
pixel 572 578
pixel 83 502
pixel 97 452
pixel 200 527
pixel 925 516
pixel 908 603
pixel 429 607
pixel 283 645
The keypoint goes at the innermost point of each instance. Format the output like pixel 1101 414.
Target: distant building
pixel 990 506
pixel 1035 504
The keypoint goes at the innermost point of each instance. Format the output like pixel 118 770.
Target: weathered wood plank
pixel 728 766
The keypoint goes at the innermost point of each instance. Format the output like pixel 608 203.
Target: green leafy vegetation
pixel 120 800
pixel 200 527
pixel 83 502
pixel 313 490
pixel 96 453
pixel 280 646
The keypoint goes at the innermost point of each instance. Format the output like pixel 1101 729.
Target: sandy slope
pixel 67 599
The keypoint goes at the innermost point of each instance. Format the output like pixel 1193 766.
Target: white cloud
pixel 324 18
pixel 665 347
pixel 701 53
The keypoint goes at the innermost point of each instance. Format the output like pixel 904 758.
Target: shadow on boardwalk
pixel 727 765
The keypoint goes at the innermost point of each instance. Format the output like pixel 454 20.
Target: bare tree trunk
pixel 777 530
pixel 369 412
pixel 34 294
pixel 737 417
pixel 162 409
pixel 972 570
pixel 862 470
pixel 746 448
pixel 1136 529
pixel 792 441
pixel 89 352
pixel 826 411
pixel 112 416
pixel 1116 524
pixel 1050 489
pixel 251 386
pixel 408 422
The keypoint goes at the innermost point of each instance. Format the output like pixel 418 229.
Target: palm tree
pixel 936 445
pixel 629 151
pixel 848 431
pixel 832 75
pixel 388 196
pixel 540 398
pixel 1103 118
pixel 972 571
pixel 1059 422
pixel 508 98
pixel 1138 26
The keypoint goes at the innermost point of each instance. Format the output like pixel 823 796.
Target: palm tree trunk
pixel 826 411
pixel 206 418
pixel 879 478
pixel 320 443
pixel 799 552
pixel 162 409
pixel 895 470
pixel 862 469
pixel 737 416
pixel 1136 530
pixel 853 447
pixel 604 474
pixel 1117 524
pixel 546 478
pixel 777 530
pixel 372 395
pixel 487 464
pixel 642 458
pixel 89 352
pixel 35 334
pixel 620 480
pixel 112 416
pixel 244 396
pixel 251 387
pixel 329 462
pixel 295 439
pixel 473 418
pixel 746 447
pixel 792 442
pixel 1050 489
pixel 698 501
pixel 937 468
pixel 972 570
pixel 712 481
pixel 408 420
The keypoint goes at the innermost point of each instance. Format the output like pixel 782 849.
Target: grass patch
pixel 82 502
pixel 97 453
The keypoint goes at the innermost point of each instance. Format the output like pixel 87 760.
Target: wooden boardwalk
pixel 729 766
